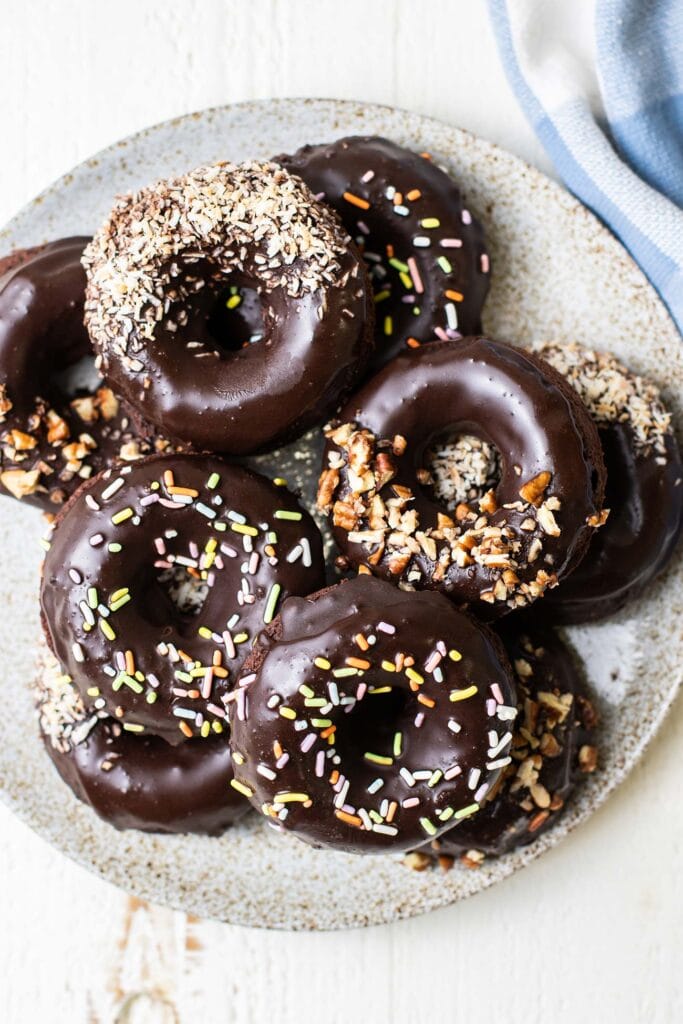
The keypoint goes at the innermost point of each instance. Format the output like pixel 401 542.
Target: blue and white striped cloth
pixel 626 164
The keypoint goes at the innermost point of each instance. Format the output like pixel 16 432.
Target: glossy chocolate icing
pixel 251 539
pixel 144 783
pixel 438 280
pixel 208 390
pixel 550 765
pixel 645 498
pixel 47 447
pixel 513 401
pixel 437 739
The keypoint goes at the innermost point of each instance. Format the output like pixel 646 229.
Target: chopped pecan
pixel 20 482
pixel 21 441
pixel 85 408
pixel 327 485
pixel 533 490
pixel 339 435
pixel 57 428
pixel 344 515
pixel 107 403
pixel 398 563
pixel 549 746
pixel 598 519
pixel 417 861
pixel 384 470
pixel 488 502
pixel 547 521
pixel 588 758
pixel 5 403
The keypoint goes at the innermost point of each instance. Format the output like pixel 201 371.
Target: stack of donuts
pixel 400 688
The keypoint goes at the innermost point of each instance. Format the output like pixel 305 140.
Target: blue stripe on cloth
pixel 652 143
pixel 639 50
pixel 624 209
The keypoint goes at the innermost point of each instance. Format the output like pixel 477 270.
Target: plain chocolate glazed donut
pixel 107 594
pixel 51 441
pixel 138 782
pixel 160 271
pixel 368 719
pixel 423 248
pixel 495 554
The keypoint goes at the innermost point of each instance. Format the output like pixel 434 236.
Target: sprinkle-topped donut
pixel 552 749
pixel 157 578
pixel 520 537
pixel 368 719
pixel 51 440
pixel 138 782
pixel 644 485
pixel 424 249
pixel 172 257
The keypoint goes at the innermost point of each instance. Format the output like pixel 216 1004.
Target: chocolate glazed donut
pixel 493 555
pixel 123 547
pixel 368 719
pixel 424 249
pixel 644 486
pixel 163 344
pixel 138 782
pixel 552 749
pixel 50 441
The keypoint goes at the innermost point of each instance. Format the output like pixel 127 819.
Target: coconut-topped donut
pixel 138 782
pixel 176 260
pixel 423 247
pixel 552 749
pixel 157 578
pixel 59 423
pixel 368 719
pixel 495 552
pixel 644 484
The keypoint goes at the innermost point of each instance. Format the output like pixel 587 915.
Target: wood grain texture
pixel 591 931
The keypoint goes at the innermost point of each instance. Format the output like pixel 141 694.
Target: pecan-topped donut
pixel 424 249
pixel 644 485
pixel 51 440
pixel 158 577
pixel 552 748
pixel 138 782
pixel 168 261
pixel 368 719
pixel 493 554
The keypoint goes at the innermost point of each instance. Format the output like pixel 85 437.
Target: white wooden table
pixel 592 931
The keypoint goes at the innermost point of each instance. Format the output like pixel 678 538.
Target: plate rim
pixel 619 772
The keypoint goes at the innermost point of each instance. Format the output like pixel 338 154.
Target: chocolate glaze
pixel 262 395
pixel 510 399
pixel 645 498
pixel 462 702
pixel 144 783
pixel 179 369
pixel 42 336
pixel 517 814
pixel 150 617
pixel 454 260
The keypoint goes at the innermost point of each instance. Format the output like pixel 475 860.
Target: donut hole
pixel 184 590
pixel 214 312
pixel 460 467
pixel 371 724
pixel 80 377
pixel 235 320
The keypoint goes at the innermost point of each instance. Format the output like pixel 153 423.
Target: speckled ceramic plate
pixel 558 274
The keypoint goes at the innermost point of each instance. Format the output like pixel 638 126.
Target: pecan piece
pixel 327 485
pixel 533 490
